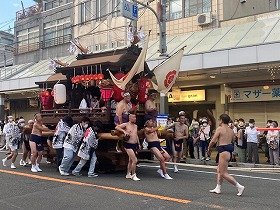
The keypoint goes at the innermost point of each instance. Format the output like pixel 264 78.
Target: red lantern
pixel 106 93
pixel 87 77
pixel 95 77
pixel 91 76
pixel 118 93
pixel 46 99
pixel 100 76
pixel 77 79
pixel 143 85
pixel 82 78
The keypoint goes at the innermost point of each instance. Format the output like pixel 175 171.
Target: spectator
pixel 268 124
pixel 273 143
pixel 234 128
pixel 252 136
pixel 195 137
pixel 241 141
pixel 71 145
pixel 94 102
pixel 204 137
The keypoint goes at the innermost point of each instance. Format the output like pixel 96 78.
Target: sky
pixel 8 11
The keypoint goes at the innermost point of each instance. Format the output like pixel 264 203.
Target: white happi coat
pixel 90 142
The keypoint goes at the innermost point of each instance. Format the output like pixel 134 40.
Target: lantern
pixel 106 93
pixel 91 76
pixel 118 93
pixel 77 79
pixel 59 93
pixel 82 78
pixel 46 100
pixel 87 77
pixel 95 77
pixel 143 85
pixel 100 76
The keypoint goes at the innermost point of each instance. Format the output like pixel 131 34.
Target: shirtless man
pixel 150 106
pixel 122 110
pixel 154 146
pixel 26 133
pixel 224 137
pixel 131 146
pixel 36 142
pixel 181 133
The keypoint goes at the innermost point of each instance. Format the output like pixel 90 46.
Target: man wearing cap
pixel 122 109
pixel 253 137
pixel 150 106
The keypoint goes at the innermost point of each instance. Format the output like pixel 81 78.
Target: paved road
pixel 21 189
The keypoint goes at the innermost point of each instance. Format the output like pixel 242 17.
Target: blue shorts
pixel 38 140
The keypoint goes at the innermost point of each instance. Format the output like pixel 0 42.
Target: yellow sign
pixel 191 95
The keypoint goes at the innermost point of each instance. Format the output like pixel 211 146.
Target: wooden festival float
pixel 105 75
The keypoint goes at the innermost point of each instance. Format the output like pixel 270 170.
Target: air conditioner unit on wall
pixel 204 18
pixel 243 1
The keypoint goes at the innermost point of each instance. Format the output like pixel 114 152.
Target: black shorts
pixel 178 145
pixel 155 144
pixel 134 147
pixel 226 148
pixel 38 140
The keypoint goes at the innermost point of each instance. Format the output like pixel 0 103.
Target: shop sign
pixel 259 93
pixel 191 95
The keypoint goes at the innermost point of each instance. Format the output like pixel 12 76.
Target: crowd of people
pixel 194 139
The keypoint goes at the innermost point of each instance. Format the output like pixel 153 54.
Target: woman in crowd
pixel 273 143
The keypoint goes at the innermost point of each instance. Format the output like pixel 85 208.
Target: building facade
pixel 6 49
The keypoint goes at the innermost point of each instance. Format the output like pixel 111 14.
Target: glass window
pixel 194 7
pixel 116 8
pixel 176 9
pixel 103 8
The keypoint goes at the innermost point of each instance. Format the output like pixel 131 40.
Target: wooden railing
pixel 53 116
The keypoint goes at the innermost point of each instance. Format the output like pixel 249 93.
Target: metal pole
pixel 134 22
pixel 163 47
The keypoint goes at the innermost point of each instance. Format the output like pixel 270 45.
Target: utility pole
pixel 162 43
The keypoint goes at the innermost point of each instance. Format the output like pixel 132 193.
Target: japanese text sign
pixel 271 93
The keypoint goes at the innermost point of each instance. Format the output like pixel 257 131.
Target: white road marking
pixel 211 172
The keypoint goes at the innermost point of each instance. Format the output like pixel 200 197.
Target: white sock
pixel 238 185
pixel 218 186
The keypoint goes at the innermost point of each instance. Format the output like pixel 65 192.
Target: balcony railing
pixel 28 12
pixel 43 44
